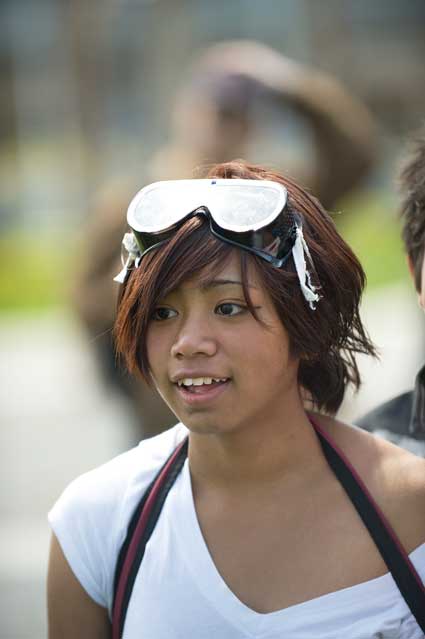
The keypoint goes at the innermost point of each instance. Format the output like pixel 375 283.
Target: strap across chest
pixel 146 515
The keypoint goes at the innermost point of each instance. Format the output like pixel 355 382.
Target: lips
pixel 200 390
pixel 200 381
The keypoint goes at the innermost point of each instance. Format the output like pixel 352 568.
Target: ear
pixel 410 266
pixel 421 292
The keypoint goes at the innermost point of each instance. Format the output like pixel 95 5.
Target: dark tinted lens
pixel 148 240
pixel 276 239
pixel 279 237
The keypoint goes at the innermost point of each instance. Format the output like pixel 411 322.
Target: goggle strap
pixel 120 278
pixel 134 255
pixel 299 251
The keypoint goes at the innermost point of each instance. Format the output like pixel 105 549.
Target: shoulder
pixel 107 484
pixel 394 477
pixel 91 516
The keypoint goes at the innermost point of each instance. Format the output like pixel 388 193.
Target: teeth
pixel 199 381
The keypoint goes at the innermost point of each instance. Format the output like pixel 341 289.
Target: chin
pixel 208 424
pixel 199 424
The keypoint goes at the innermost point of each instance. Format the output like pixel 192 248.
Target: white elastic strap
pixel 299 250
pixel 132 248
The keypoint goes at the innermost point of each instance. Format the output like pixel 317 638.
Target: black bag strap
pixel 149 508
pixel 139 531
pixel 398 562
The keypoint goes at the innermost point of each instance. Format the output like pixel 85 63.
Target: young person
pixel 402 418
pixel 240 303
pixel 239 98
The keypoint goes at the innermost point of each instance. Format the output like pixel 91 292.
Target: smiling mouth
pixel 196 384
pixel 198 389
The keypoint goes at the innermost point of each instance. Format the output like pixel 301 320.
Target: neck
pixel 255 456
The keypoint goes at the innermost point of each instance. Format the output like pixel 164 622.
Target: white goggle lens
pixel 236 205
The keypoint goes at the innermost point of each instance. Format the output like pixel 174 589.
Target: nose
pixel 195 338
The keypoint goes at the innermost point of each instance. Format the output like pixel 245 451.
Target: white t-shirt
pixel 178 592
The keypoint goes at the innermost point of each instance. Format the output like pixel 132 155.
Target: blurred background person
pixel 402 418
pixel 236 99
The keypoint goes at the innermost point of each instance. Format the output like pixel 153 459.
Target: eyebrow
pixel 224 282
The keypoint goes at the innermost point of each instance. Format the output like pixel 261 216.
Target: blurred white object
pixel 396 325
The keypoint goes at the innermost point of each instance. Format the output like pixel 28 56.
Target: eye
pixel 162 313
pixel 229 309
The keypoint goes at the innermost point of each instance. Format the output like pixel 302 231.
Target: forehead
pixel 229 273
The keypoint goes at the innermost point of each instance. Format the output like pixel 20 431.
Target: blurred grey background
pixel 86 99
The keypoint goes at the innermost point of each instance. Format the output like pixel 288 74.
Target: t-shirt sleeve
pixel 91 516
pixel 88 522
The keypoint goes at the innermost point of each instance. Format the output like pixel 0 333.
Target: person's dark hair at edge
pixel 326 339
pixel 412 187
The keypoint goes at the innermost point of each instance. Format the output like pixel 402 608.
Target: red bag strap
pixel 139 531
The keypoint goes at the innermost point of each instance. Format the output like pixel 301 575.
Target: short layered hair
pixel 412 188
pixel 326 340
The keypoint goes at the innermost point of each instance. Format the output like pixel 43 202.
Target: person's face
pixel 215 365
pixel 421 292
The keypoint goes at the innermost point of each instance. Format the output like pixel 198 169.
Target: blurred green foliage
pixel 370 225
pixel 36 271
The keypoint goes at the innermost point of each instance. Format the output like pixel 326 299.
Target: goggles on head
pixel 248 214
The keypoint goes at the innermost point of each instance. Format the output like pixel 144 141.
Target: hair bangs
pixel 193 250
pixel 326 341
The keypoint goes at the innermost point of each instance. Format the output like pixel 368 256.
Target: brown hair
pixel 412 187
pixel 326 339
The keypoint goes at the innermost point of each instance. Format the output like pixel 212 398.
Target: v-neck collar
pixel 380 591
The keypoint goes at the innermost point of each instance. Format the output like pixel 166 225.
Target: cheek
pixel 267 354
pixel 281 363
pixel 156 348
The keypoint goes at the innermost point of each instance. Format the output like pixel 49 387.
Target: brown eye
pixel 230 309
pixel 163 313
